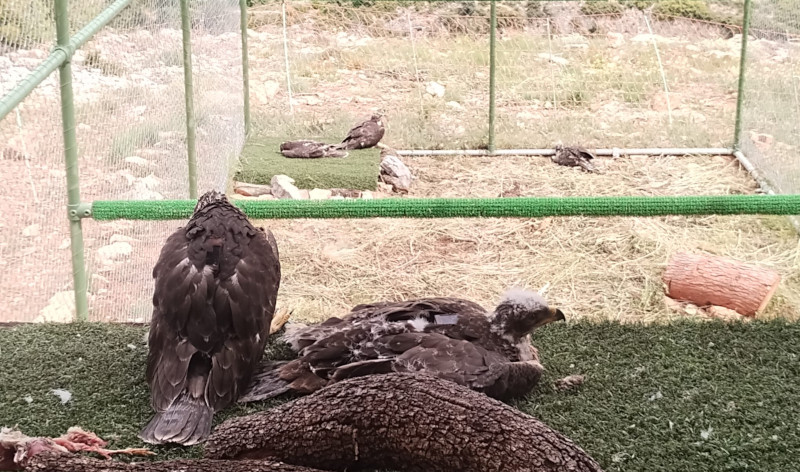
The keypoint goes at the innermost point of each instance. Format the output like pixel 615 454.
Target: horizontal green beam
pixel 58 56
pixel 524 207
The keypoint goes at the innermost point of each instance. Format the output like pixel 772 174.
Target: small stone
pixel 320 194
pixel 60 308
pixel 121 238
pixel 553 58
pixel 136 160
pixel 114 252
pixel 283 187
pixel 31 231
pixel 65 243
pixel 455 106
pixel 251 190
pixel 569 382
pixel 384 187
pixel 267 197
pixel 304 194
pixel 270 88
pixel 435 89
pixel 366 195
pixel 63 395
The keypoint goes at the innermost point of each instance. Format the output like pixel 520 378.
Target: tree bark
pixel 704 280
pixel 407 422
pixel 59 462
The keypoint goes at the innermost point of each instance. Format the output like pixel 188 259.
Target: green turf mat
pixel 261 159
pixel 679 397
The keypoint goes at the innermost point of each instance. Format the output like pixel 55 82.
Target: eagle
pixel 364 135
pixel 574 156
pixel 216 284
pixel 308 149
pixel 451 338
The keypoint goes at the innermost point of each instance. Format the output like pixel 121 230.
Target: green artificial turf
pixel 261 159
pixel 680 397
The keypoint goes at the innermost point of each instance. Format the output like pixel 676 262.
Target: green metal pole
pixel 245 67
pixel 492 73
pixel 737 133
pixel 191 123
pixel 71 161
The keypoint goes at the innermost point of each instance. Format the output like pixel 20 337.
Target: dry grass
pixel 598 268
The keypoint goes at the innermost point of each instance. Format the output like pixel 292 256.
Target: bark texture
pixel 705 280
pixel 57 462
pixel 406 422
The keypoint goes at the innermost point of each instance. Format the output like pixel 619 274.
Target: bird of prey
pixel 451 338
pixel 216 283
pixel 308 149
pixel 365 135
pixel 393 171
pixel 574 156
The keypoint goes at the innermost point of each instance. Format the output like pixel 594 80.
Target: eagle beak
pixel 556 314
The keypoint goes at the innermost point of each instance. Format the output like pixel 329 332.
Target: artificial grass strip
pixel 684 396
pixel 261 159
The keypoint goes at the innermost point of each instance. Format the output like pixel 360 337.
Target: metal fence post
pixel 71 162
pixel 191 123
pixel 737 133
pixel 492 73
pixel 245 67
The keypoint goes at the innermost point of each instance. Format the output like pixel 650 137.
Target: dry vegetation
pixel 593 80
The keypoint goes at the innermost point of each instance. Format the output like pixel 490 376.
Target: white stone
pixel 553 58
pixel 31 231
pixel 114 252
pixel 435 89
pixel 320 194
pixel 455 106
pixel 283 187
pixel 136 160
pixel 60 308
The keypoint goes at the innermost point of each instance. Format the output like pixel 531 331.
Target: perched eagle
pixel 451 338
pixel 574 156
pixel 216 283
pixel 365 135
pixel 307 149
pixel 393 171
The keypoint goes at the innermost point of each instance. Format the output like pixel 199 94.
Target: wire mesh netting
pixel 131 129
pixel 770 125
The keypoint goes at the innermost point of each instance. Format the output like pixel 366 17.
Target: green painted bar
pixel 60 54
pixel 737 131
pixel 520 207
pixel 80 280
pixel 492 74
pixel 191 122
pixel 245 67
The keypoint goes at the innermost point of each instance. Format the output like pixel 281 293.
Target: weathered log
pixel 407 422
pixel 58 462
pixel 704 280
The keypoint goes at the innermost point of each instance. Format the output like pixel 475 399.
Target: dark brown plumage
pixel 365 135
pixel 451 338
pixel 308 149
pixel 216 282
pixel 574 156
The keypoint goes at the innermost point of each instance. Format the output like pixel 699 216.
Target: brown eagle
pixel 216 283
pixel 365 135
pixel 451 338
pixel 308 149
pixel 574 156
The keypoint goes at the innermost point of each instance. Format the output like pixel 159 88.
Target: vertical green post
pixel 492 73
pixel 245 67
pixel 737 133
pixel 71 162
pixel 191 123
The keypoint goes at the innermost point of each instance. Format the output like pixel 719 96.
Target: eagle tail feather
pixel 266 384
pixel 187 421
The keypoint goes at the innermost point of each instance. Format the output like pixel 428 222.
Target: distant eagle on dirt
pixel 574 156
pixel 308 149
pixel 365 135
pixel 216 283
pixel 451 338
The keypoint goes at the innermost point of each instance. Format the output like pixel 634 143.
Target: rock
pixel 310 100
pixel 435 89
pixel 569 382
pixel 455 106
pixel 762 140
pixel 345 193
pixel 283 187
pixel 31 231
pixel 320 194
pixel 725 314
pixel 114 252
pixel 267 197
pixel 60 308
pixel 616 40
pixel 150 182
pixel 304 194
pixel 121 238
pixel 136 160
pixel 553 58
pixel 251 190
pixel 659 101
pixel 394 172
pixel 270 88
pixel 384 187
pixel 366 195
